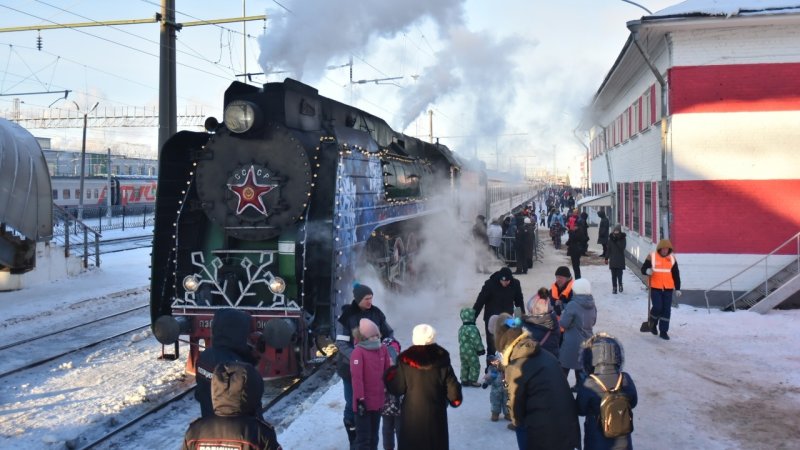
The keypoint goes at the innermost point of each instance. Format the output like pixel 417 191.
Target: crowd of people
pixel 403 395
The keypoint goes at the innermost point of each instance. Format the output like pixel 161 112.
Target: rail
pixel 66 225
pixel 768 271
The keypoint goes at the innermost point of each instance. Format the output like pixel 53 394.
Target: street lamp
pixel 83 158
pixel 640 6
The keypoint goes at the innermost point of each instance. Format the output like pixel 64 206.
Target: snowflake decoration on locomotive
pixel 250 186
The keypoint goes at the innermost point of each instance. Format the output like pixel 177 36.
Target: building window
pixel 66 195
pixel 96 193
pixel 637 122
pixel 77 194
pixel 648 209
pixel 635 210
pixel 621 203
pixel 55 194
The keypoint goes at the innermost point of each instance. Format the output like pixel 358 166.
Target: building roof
pixel 694 8
pixel 691 11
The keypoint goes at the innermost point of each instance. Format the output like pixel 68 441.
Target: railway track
pixel 178 411
pixel 28 353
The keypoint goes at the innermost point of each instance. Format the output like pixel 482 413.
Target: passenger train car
pixel 126 190
pixel 275 209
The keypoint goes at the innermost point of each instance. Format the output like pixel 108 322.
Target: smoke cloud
pixel 315 32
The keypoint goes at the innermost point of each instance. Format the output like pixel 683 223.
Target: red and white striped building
pixel 728 191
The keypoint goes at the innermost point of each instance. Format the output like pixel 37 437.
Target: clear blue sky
pixel 507 77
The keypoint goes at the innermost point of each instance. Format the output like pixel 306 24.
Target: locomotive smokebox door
pixel 253 188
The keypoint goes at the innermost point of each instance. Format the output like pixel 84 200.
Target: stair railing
pixel 765 261
pixel 65 225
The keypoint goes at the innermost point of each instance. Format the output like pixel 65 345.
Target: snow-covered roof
pixel 728 8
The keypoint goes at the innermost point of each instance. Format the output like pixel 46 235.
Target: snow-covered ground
pixel 724 381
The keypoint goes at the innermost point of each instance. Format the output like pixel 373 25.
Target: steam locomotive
pixel 273 210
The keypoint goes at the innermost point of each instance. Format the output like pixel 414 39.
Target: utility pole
pixel 83 159
pixel 167 97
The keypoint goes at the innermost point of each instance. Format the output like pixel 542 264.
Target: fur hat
pixel 505 274
pixel 527 220
pixel 664 243
pixel 503 334
pixel 360 291
pixel 581 286
pixel 368 329
pixel 423 334
pixel 563 271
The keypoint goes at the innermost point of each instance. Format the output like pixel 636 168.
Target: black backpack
pixel 616 415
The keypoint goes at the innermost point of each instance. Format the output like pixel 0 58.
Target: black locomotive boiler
pixel 273 210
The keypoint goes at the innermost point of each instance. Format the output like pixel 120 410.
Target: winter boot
pixel 653 328
pixel 614 290
pixel 620 287
pixel 664 336
pixel 351 433
pixel 495 417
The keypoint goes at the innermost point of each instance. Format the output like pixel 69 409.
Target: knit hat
pixel 563 271
pixel 582 286
pixel 527 220
pixel 538 306
pixel 368 329
pixel 423 334
pixel 505 274
pixel 618 227
pixel 360 291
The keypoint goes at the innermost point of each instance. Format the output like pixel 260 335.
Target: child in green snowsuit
pixel 470 348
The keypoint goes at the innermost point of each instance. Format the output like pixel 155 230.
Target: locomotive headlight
pixel 191 283
pixel 240 116
pixel 277 285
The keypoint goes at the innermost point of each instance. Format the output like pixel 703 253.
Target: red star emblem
pixel 250 192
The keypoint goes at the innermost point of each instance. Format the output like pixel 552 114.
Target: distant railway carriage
pixel 126 190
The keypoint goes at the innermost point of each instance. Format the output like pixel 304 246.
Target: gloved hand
pixel 677 293
pixel 362 409
pixel 649 271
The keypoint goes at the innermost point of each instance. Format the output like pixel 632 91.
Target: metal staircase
pixel 779 275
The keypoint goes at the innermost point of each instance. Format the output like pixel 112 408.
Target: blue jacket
pixel 589 396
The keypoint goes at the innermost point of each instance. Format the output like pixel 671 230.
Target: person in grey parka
pixel 577 320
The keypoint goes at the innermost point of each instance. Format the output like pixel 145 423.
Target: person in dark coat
pixel 541 322
pixel 523 246
pixel 583 223
pixel 602 357
pixel 602 233
pixel 428 384
pixel 230 330
pixel 540 402
pixel 347 324
pixel 236 391
pixel 578 320
pixel 615 257
pixel 575 248
pixel 500 293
